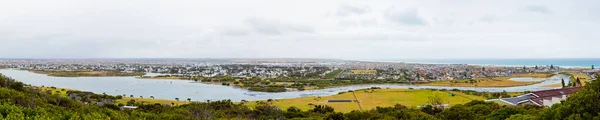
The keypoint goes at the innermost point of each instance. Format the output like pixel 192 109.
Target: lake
pixel 183 89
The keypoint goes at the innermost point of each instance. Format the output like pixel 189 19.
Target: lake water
pixel 183 89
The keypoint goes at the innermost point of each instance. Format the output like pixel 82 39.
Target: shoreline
pixel 314 87
pixel 83 73
pixel 485 64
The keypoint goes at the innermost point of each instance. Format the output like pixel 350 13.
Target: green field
pixel 373 98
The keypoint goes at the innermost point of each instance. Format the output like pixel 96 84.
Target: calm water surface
pixel 183 89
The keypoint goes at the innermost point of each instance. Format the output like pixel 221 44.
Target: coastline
pixel 561 62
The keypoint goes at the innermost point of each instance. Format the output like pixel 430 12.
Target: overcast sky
pixel 361 29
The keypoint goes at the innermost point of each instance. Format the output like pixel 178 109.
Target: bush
pixel 322 109
pixel 268 89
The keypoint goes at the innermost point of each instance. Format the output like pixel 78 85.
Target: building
pixel 128 107
pixel 540 98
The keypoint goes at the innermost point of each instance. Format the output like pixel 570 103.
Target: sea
pixel 562 62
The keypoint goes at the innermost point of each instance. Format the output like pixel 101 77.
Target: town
pixel 289 68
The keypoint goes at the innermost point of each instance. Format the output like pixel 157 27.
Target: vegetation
pixel 270 88
pixel 579 78
pixel 19 101
pixel 126 100
pixel 491 82
pixel 372 98
pixel 86 73
pixel 333 74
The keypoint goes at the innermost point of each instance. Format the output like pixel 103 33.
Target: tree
pixel 435 101
pixel 335 116
pixel 522 117
pixel 266 82
pixel 563 83
pixel 177 99
pixel 189 100
pixel 592 67
pixel 152 97
pixel 322 109
pixel 504 113
pixel 131 96
pixel 293 109
pixel 577 82
pixel 457 112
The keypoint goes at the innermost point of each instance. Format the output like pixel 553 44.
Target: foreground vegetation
pixel 85 73
pixel 19 101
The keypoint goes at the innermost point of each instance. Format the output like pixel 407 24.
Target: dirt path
pixel 357 102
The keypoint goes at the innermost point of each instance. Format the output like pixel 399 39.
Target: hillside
pixel 20 101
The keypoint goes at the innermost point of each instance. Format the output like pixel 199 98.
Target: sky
pixel 332 29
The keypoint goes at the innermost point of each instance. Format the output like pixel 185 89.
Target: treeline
pixel 19 101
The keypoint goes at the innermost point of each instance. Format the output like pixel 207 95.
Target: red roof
pixel 555 92
pixel 549 94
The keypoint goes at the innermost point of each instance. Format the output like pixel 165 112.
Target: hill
pixel 20 101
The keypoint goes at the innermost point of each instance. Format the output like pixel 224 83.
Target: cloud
pixel 235 32
pixel 353 29
pixel 538 9
pixel 275 28
pixel 488 18
pixel 407 17
pixel 347 10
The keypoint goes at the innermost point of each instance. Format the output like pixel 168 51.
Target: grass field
pixel 61 91
pixel 368 99
pixel 583 77
pixel 379 97
pixel 534 75
pixel 491 82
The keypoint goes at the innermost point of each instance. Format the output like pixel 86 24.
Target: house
pixel 128 107
pixel 74 96
pixel 540 98
pixel 105 102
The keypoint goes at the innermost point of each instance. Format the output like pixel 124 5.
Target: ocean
pixel 562 62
